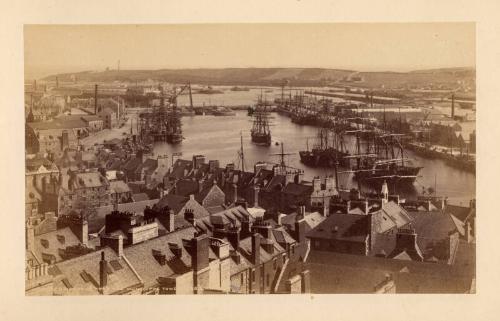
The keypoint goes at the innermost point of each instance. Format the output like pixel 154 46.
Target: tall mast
pixel 242 154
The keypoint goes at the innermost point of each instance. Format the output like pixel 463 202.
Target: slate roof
pixel 132 164
pixel 80 275
pixel 410 276
pixel 232 216
pixel 398 215
pixel 351 227
pixel 177 171
pixel 175 202
pixel 142 259
pixel 331 279
pixel 431 228
pixel 312 220
pixel 297 189
pixel 89 180
pixel 433 225
pixel 460 212
pixel 201 195
pixel 97 221
pixel 50 243
pixel 186 187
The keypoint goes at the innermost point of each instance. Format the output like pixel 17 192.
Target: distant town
pixel 250 181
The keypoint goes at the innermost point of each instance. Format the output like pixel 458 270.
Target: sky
pixel 363 46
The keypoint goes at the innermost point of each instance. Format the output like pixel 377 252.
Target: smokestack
pixel 95 100
pixel 452 105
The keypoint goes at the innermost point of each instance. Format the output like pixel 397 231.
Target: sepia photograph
pixel 250 158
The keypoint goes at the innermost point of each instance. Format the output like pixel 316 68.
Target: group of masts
pixel 163 123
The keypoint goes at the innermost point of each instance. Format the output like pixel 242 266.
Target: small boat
pixel 209 91
pixel 236 88
pixel 223 111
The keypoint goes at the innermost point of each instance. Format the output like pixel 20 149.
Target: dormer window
pixel 45 243
pixel 61 238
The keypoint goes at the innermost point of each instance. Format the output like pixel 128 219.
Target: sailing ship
pixel 164 123
pixel 261 134
pixel 329 151
pixel 174 124
pixel 384 161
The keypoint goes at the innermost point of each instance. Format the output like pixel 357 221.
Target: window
pixel 85 276
pixel 275 263
pixel 241 279
pixel 66 282
pixel 267 279
pixel 253 276
pixel 116 265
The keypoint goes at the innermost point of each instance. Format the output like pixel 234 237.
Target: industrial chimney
pixel 95 100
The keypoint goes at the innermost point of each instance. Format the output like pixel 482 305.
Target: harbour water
pixel 218 137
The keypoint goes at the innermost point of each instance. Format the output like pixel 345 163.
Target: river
pixel 218 137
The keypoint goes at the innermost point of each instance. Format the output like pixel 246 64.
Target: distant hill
pixel 276 76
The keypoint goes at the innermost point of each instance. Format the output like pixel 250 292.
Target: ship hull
pixel 326 158
pixel 174 138
pixel 261 139
pixel 401 176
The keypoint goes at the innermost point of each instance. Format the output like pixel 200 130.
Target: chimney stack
pixel 30 237
pixel 199 256
pixel 189 215
pixel 115 242
pixel 233 236
pixel 245 227
pixel 169 219
pixel 256 190
pixel 280 218
pixel 235 194
pixel 103 273
pixel 326 208
pixel 300 231
pixel 256 249
pixel 406 240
